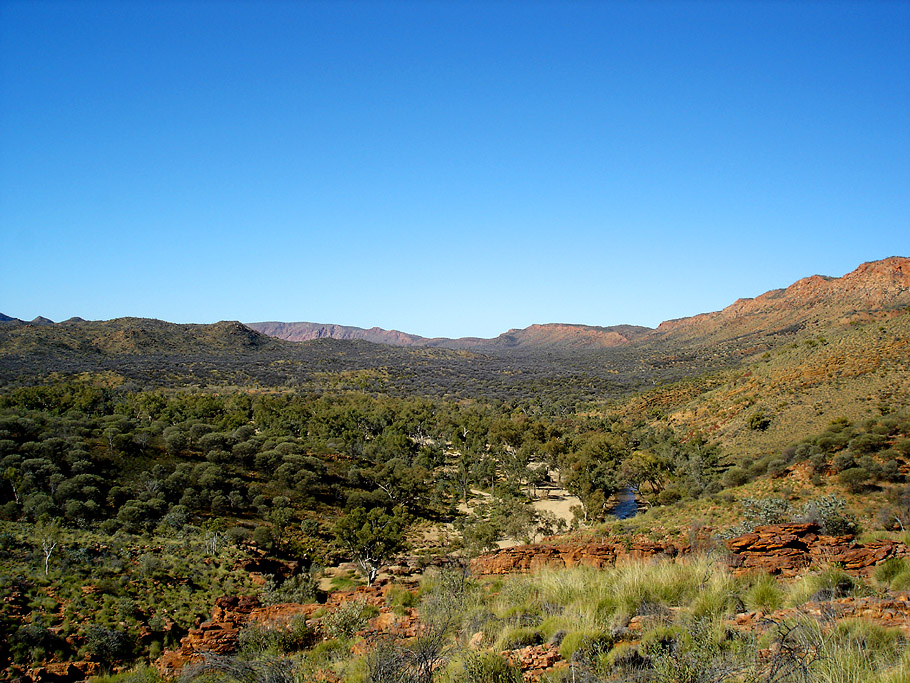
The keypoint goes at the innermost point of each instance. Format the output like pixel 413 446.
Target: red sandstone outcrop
pixel 890 612
pixel 220 634
pixel 787 549
pixel 782 549
pixel 535 660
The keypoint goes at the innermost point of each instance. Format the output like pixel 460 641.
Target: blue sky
pixel 444 168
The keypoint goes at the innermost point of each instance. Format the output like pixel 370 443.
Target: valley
pixel 305 502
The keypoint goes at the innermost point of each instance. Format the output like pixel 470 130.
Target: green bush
pixel 108 645
pixel 855 479
pixel 347 619
pixel 829 513
pixel 827 585
pixel 300 589
pixel 736 476
pixel 278 639
pixel 33 642
pixel 401 597
pixel 703 651
pixel 141 674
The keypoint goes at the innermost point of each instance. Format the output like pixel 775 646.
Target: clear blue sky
pixel 444 168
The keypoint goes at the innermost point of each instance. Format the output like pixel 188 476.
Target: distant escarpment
pixel 875 287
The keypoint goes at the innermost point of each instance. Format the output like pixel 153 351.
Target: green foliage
pixel 888 570
pixel 736 476
pixel 764 594
pixel 518 637
pixel 829 512
pixel 141 674
pixel 759 420
pixel 854 479
pixel 584 645
pixel 706 651
pixel 348 618
pixel 373 537
pixel 301 588
pixel 108 645
pixel 487 667
pixel 257 640
pixel 829 584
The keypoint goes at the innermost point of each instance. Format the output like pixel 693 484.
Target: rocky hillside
pixel 302 331
pixel 129 336
pixel 877 286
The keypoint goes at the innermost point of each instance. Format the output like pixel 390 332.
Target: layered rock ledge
pixel 784 549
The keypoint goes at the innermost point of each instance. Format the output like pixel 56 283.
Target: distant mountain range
pixel 875 286
pixel 550 336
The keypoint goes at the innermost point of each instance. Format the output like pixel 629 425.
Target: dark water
pixel 626 505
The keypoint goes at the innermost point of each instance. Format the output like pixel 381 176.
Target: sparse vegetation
pixel 147 469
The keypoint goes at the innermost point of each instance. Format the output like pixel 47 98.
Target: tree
pixel 373 537
pixel 11 474
pixel 49 535
pixel 594 474
pixel 647 467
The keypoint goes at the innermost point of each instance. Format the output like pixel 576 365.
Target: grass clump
pixel 764 594
pixel 487 667
pixel 584 645
pixel 829 584
pixel 518 637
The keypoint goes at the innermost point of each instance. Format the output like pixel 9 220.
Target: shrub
pixel 706 651
pixel 294 636
pixel 828 512
pixel 141 674
pixel 299 589
pixel 867 443
pixel 626 659
pixel 400 597
pixel 33 642
pixel 889 569
pixel 827 585
pixel 669 496
pixel 855 479
pixel 735 476
pixel 108 645
pixel 759 420
pixel 347 619
pixel 777 467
